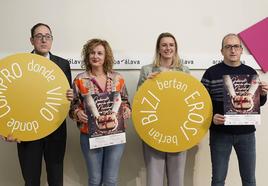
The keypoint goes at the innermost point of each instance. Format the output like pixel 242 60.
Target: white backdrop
pixel 131 26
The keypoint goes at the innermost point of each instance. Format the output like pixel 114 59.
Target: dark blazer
pixel 60 133
pixel 52 147
pixel 64 66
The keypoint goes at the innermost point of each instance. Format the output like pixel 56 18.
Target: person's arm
pixel 126 105
pixel 76 111
pixel 218 119
pixel 186 69
pixel 143 76
pixel 205 80
pixel 146 73
pixel 229 86
pixel 264 90
pixel 124 100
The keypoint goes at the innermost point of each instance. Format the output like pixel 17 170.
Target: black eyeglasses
pixel 41 36
pixel 230 47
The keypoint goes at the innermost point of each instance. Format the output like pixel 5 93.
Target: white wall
pixel 131 26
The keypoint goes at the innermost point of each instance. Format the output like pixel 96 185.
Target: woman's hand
pixel 81 116
pixel 126 112
pixel 152 75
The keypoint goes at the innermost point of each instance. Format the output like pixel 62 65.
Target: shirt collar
pixel 47 56
pixel 109 75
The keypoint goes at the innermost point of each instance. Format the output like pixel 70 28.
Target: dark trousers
pixel 221 145
pixel 52 148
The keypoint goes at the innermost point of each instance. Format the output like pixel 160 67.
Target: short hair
pixel 176 62
pixel 36 26
pixel 228 35
pixel 89 46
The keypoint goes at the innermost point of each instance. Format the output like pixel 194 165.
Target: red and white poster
pixel 241 99
pixel 106 127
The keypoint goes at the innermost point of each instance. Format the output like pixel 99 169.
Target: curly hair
pixel 88 48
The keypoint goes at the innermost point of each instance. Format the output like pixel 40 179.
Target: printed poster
pixel 106 128
pixel 241 99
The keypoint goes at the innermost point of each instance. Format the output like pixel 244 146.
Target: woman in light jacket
pixel 157 162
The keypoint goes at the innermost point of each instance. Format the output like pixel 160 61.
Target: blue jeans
pixel 220 148
pixel 102 163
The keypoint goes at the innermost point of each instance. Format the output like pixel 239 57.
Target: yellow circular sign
pixel 32 96
pixel 172 112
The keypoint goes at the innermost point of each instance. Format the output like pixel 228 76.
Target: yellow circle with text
pixel 33 100
pixel 172 112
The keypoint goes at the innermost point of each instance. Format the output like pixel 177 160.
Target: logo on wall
pixel 32 96
pixel 172 112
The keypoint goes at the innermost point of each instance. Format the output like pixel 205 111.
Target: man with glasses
pixel 224 137
pixel 51 147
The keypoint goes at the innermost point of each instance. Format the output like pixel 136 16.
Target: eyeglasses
pixel 230 47
pixel 41 37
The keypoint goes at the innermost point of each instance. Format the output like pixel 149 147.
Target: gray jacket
pixel 147 69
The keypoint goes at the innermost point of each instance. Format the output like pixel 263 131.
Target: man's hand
pixel 70 94
pixel 264 88
pixel 9 138
pixel 218 119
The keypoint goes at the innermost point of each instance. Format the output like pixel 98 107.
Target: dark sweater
pixel 213 81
